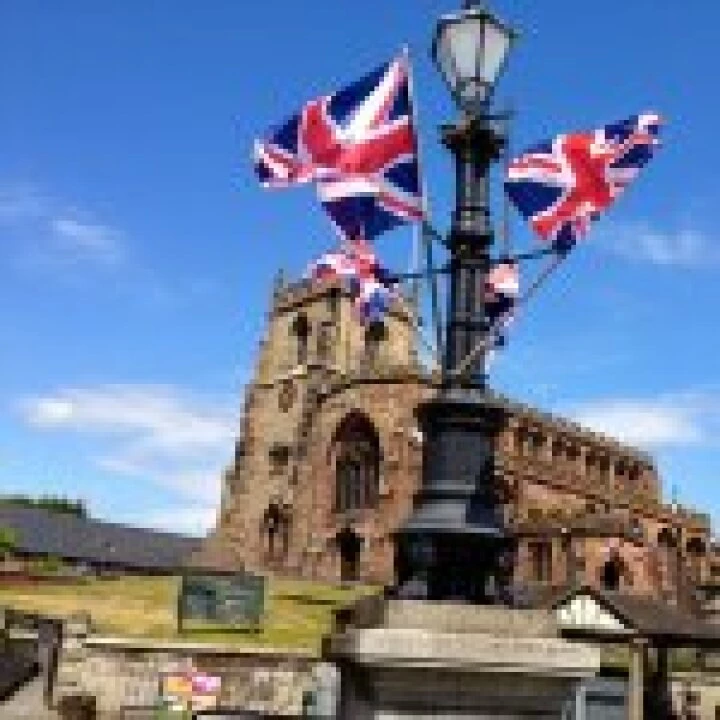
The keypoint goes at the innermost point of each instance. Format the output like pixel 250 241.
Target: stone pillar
pixel 637 680
pixel 70 678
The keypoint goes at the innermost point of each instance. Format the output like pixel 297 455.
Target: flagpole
pixel 420 233
pixel 506 244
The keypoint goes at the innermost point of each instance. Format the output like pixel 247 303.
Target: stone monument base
pixel 413 659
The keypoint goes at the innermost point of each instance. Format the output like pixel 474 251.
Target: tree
pixel 50 503
pixel 8 542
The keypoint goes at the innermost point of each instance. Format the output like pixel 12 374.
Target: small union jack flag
pixel 561 186
pixel 359 146
pixel 357 263
pixel 502 287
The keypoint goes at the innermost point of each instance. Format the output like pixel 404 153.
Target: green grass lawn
pixel 297 615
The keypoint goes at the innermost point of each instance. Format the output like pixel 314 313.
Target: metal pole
pixel 475 144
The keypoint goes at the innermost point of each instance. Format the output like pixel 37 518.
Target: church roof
pixel 50 534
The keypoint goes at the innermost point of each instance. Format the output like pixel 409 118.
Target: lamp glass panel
pixel 458 46
pixel 496 45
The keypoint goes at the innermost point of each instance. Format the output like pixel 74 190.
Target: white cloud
pixel 668 420
pixel 685 247
pixel 188 520
pixel 20 201
pixel 154 433
pixel 86 239
pixel 162 417
pixel 48 231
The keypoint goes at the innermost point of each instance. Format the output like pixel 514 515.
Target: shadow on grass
pixel 239 630
pixel 301 599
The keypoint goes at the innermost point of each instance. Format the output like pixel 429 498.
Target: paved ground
pixel 27 704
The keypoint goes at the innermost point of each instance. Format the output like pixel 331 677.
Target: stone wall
pixel 125 672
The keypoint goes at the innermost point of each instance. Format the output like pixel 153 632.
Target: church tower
pixel 328 422
pixel 329 455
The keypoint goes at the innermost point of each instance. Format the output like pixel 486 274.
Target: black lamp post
pixel 454 545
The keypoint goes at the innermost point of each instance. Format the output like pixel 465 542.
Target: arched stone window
pixel 301 331
pixel 613 572
pixel 275 530
pixel 375 336
pixel 696 550
pixel 356 451
pixel 666 538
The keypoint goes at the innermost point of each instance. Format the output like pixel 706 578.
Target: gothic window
pixel 357 464
pixel 529 441
pixel 611 573
pixel 604 471
pixel 666 538
pixel 275 530
pixel 537 442
pixel 375 335
pixel 333 303
pixel 614 572
pixel 350 545
pixel 279 455
pixel 634 477
pixel 523 441
pixel 324 342
pixel 540 553
pixel 301 331
pixel 695 546
pixel 695 552
pixel 591 466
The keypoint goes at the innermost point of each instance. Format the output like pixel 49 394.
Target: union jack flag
pixel 356 263
pixel 502 287
pixel 561 186
pixel 359 146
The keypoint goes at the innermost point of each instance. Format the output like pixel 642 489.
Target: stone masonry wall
pixel 124 672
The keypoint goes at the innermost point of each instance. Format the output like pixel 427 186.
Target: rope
pixel 484 344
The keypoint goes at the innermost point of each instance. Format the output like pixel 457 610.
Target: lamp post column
pixel 474 145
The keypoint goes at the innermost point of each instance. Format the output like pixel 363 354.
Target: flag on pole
pixel 359 147
pixel 356 263
pixel 502 288
pixel 562 185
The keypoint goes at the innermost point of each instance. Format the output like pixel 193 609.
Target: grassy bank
pixel 298 613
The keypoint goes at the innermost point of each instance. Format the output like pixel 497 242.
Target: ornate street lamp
pixel 469 50
pixel 454 544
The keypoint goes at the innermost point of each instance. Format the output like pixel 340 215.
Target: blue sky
pixel 136 250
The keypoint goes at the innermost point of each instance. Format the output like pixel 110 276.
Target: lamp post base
pixel 454 545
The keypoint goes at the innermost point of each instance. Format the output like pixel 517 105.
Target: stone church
pixel 329 456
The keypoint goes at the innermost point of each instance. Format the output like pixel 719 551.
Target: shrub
pixel 8 542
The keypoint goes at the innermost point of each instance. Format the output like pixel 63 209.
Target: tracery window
pixel 540 553
pixel 301 331
pixel 357 464
pixel 375 335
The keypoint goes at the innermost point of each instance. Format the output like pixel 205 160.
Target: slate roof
pixel 42 533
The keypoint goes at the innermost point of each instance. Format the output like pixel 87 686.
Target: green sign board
pixel 224 599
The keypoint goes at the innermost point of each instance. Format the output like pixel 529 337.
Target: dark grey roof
pixel 39 532
pixel 649 616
